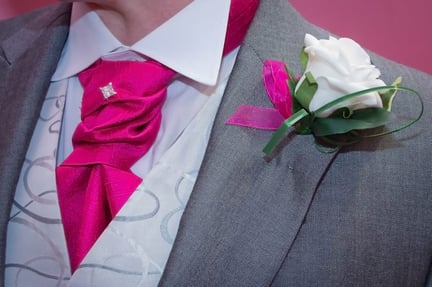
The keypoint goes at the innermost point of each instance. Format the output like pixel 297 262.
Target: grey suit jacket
pixel 359 217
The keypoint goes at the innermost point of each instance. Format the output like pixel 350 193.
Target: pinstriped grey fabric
pixel 305 219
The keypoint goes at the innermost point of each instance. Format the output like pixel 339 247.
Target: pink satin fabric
pixel 95 181
pixel 240 18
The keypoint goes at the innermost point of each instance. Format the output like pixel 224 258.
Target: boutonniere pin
pixel 339 99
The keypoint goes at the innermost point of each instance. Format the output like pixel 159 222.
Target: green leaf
pixel 388 95
pixel 292 81
pixel 360 119
pixel 296 106
pixel 306 91
pixel 304 59
pixel 280 133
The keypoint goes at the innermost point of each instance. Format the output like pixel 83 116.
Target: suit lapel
pixel 28 58
pixel 244 213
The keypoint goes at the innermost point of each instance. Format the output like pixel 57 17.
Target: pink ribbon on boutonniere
pixel 276 78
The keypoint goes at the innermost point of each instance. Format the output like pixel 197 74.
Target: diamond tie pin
pixel 108 91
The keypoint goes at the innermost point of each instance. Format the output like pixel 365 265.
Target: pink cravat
pixel 121 115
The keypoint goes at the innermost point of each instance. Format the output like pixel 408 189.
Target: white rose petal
pixel 352 51
pixel 310 40
pixel 332 88
pixel 340 67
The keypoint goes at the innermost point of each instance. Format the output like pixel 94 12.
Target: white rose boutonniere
pixel 337 98
pixel 340 67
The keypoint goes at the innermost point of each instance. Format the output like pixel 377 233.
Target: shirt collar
pixel 193 50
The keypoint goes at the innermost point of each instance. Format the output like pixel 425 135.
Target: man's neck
pixel 131 20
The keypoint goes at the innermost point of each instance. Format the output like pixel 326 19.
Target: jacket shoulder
pixel 38 18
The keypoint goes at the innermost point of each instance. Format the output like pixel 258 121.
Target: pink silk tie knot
pixel 116 130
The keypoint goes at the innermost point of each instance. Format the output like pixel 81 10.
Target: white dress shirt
pixel 134 248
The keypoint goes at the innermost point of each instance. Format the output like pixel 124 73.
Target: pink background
pixel 396 29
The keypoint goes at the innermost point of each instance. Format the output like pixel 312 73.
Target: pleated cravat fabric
pixel 121 115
